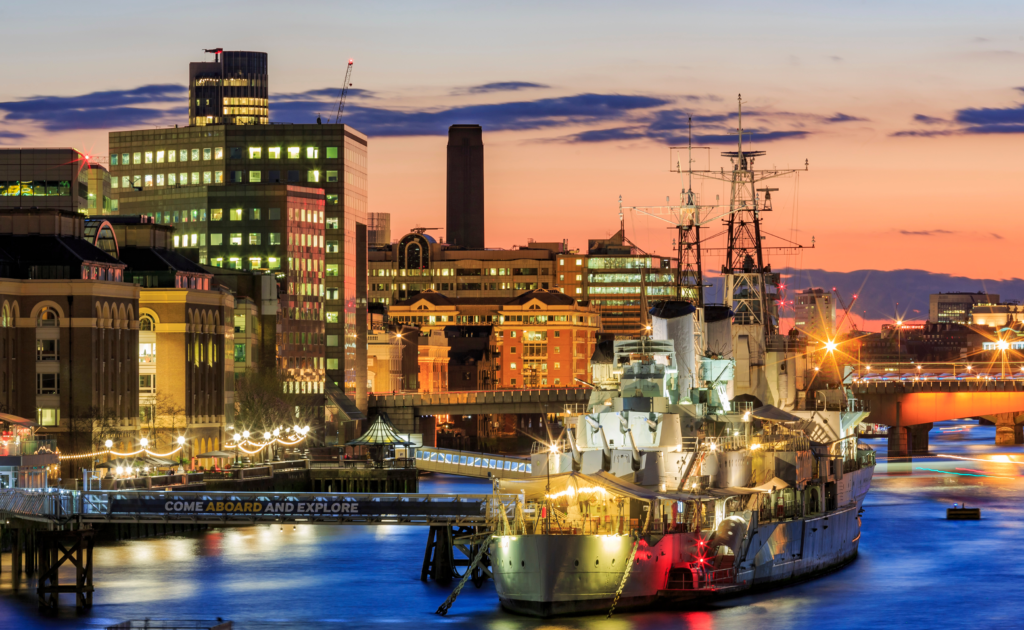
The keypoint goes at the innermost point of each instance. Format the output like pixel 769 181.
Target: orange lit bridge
pixel 910 401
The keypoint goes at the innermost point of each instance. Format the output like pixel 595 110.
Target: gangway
pixel 247 508
pixel 471 464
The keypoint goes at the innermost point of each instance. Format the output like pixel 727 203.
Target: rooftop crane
pixel 344 92
pixel 846 310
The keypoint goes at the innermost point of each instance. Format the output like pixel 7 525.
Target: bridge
pixel 467 464
pixel 910 399
pixel 404 408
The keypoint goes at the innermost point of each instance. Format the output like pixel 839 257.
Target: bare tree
pixel 168 420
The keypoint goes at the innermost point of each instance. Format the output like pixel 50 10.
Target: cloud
pixel 996 236
pixel 109 109
pixel 928 120
pixel 517 115
pixel 914 133
pixel 838 118
pixel 331 94
pixel 926 232
pixel 502 86
pixel 836 58
pixel 878 291
pixel 10 135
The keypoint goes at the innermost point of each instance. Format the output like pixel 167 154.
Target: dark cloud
pixel 518 115
pixel 928 120
pixel 838 118
pixel 916 133
pixel 10 135
pixel 503 86
pixel 109 109
pixel 996 236
pixel 836 58
pixel 925 232
pixel 879 291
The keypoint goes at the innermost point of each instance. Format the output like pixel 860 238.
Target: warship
pixel 712 458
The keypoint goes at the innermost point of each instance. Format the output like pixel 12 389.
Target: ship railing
pixel 541 447
pixel 732 443
pixel 700 579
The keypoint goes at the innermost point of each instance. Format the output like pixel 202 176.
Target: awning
pixel 380 433
pixel 573 484
pixel 347 410
pixel 21 422
pixel 213 454
pixel 773 413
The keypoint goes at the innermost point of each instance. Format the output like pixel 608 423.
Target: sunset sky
pixel 910 114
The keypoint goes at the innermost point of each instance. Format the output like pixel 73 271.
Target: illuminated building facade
pixel 231 89
pixel 815 314
pixel 44 178
pixel 956 308
pixel 99 201
pixel 288 199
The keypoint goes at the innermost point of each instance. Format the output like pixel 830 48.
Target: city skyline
pixel 903 136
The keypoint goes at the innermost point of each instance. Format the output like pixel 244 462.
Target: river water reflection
pixel 915 569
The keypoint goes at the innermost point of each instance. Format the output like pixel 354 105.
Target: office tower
pixel 465 186
pixel 231 89
pixel 288 199
pixel 378 229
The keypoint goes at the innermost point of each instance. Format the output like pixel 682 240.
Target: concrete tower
pixel 465 186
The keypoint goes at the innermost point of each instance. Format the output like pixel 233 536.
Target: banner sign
pixel 291 507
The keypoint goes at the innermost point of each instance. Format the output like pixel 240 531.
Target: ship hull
pixel 547 576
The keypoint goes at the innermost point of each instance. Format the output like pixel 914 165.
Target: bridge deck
pixel 246 508
pixel 469 464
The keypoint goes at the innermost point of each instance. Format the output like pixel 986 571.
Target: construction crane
pixel 344 92
pixel 846 311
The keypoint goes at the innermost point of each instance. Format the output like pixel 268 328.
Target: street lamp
pixel 144 442
pixel 181 445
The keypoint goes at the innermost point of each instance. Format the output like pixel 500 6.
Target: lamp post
pixel 401 363
pixel 552 450
pixel 899 347
pixel 181 445
pixel 266 442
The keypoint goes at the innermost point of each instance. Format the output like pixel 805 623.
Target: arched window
pixel 5 321
pixel 146 323
pixel 48 318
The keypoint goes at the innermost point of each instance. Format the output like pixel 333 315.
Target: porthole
pixel 577 563
pixel 613 562
pixel 522 563
pixel 597 562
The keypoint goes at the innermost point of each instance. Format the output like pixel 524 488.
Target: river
pixel 915 569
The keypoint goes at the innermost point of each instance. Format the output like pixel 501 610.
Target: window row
pixel 162 156
pixel 36 188
pixel 196 178
pixel 252 263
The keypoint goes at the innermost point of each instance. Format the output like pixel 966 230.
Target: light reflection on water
pixel 915 568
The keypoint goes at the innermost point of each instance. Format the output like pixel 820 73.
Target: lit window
pixel 216 239
pixel 149 181
pixel 332 176
pixel 218 177
pixel 579 277
pixel 332 317
pixel 561 262
pixel 137 158
pixel 207 177
pixel 332 153
pixel 254 238
pixel 48 417
pixel 183 179
pixel 195 240
pixel 172 156
pixel 149 157
pixel 113 182
pixel 234 263
pixel 313 176
pixel 236 214
pixel 332 247
pixel 217 262
pixel 578 290
pixel 159 179
pixel 332 364
pixel 195 155
pixel 207 154
pixel 254 263
pixel 332 293
pixel 160 157
pixel 183 155
pixel 274 263
pixel 332 269
pixel 312 153
pixel 195 178
pixel 218 153
pixel 274 153
pixel 294 153
pixel 177 241
pixel 236 238
pixel 137 181
pixel 255 153
pixel 332 200
pixel 275 238
pixel 125 159
pixel 332 223
pixel 172 179
pixel 255 177
pixel 254 214
pixel 511 366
